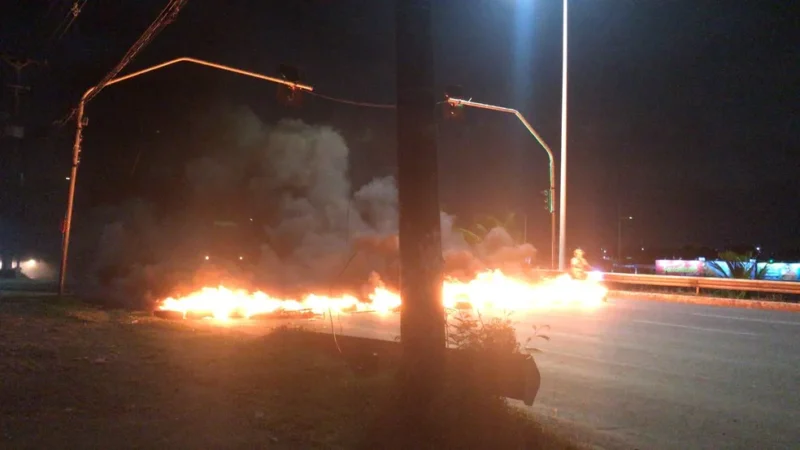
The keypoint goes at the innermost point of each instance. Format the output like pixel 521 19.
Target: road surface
pixel 663 375
pixel 660 375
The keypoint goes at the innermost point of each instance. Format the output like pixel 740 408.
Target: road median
pixel 706 300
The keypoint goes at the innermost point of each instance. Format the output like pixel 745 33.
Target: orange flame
pixel 489 292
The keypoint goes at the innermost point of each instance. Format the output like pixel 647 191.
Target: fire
pixel 489 292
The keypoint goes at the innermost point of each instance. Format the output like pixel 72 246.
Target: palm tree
pixel 485 224
pixel 739 266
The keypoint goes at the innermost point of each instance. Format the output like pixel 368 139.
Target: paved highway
pixel 659 375
pixel 663 375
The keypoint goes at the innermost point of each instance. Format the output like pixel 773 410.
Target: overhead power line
pixel 72 14
pixel 165 17
pixel 353 102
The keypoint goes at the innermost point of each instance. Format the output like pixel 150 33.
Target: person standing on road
pixel 578 266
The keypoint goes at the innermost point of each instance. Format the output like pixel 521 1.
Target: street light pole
pixel 562 232
pixel 81 123
pixel 460 102
pixel 619 236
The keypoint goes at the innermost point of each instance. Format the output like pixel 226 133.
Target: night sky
pixel 682 114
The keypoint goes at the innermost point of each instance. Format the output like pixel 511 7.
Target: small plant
pixel 472 332
pixel 537 334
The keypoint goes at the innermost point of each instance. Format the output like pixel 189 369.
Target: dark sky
pixel 681 113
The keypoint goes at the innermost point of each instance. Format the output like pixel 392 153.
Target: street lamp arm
pixel 76 147
pixel 202 63
pixel 503 109
pixel 459 102
pixel 551 168
pixel 542 143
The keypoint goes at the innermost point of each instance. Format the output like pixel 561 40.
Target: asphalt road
pixel 658 375
pixel 663 375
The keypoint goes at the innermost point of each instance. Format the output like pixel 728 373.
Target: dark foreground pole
pixel 422 316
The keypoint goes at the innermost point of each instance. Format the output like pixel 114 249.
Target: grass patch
pixel 76 377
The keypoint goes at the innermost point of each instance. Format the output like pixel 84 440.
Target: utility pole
pixel 422 331
pixel 13 164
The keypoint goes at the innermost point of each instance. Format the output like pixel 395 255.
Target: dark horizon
pixel 681 115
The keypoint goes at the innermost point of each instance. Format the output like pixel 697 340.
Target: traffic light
pixel 450 111
pixel 548 200
pixel 288 95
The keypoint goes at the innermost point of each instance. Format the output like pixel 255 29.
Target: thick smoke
pixel 285 192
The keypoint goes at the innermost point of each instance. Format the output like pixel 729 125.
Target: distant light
pixel 758 249
pixel 241 258
pixel 630 217
pixel 30 263
pixel 251 219
pixel 67 178
pixel 642 248
pixel 207 257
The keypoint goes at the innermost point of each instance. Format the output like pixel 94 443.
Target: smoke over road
pixel 287 190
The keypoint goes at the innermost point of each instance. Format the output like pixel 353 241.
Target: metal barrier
pixel 697 283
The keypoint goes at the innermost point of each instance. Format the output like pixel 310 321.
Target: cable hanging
pixel 353 102
pixel 164 18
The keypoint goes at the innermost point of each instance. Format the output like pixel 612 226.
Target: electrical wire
pixel 330 294
pixel 164 18
pixel 167 16
pixel 353 102
pixel 61 23
pixel 74 12
pixel 358 103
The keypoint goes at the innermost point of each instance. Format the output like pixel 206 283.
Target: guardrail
pixel 697 283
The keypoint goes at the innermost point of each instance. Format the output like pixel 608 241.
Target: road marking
pixel 720 316
pixel 687 327
pixel 626 365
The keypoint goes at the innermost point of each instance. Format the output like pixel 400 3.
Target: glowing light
pixel 207 258
pixel 490 292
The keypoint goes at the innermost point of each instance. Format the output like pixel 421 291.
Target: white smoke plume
pixel 285 195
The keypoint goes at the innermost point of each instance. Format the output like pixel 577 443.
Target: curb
pixel 711 301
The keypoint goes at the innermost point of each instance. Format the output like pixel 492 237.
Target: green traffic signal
pixel 548 200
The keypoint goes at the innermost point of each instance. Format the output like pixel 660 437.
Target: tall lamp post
pixel 562 202
pixel 619 236
pixel 81 123
pixel 456 102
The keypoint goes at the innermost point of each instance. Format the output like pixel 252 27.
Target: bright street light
pixel 81 122
pixel 562 223
pixel 456 102
pixel 619 235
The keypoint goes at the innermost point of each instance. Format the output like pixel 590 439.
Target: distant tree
pixel 739 265
pixel 478 231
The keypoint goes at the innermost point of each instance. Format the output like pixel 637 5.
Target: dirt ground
pixel 76 377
